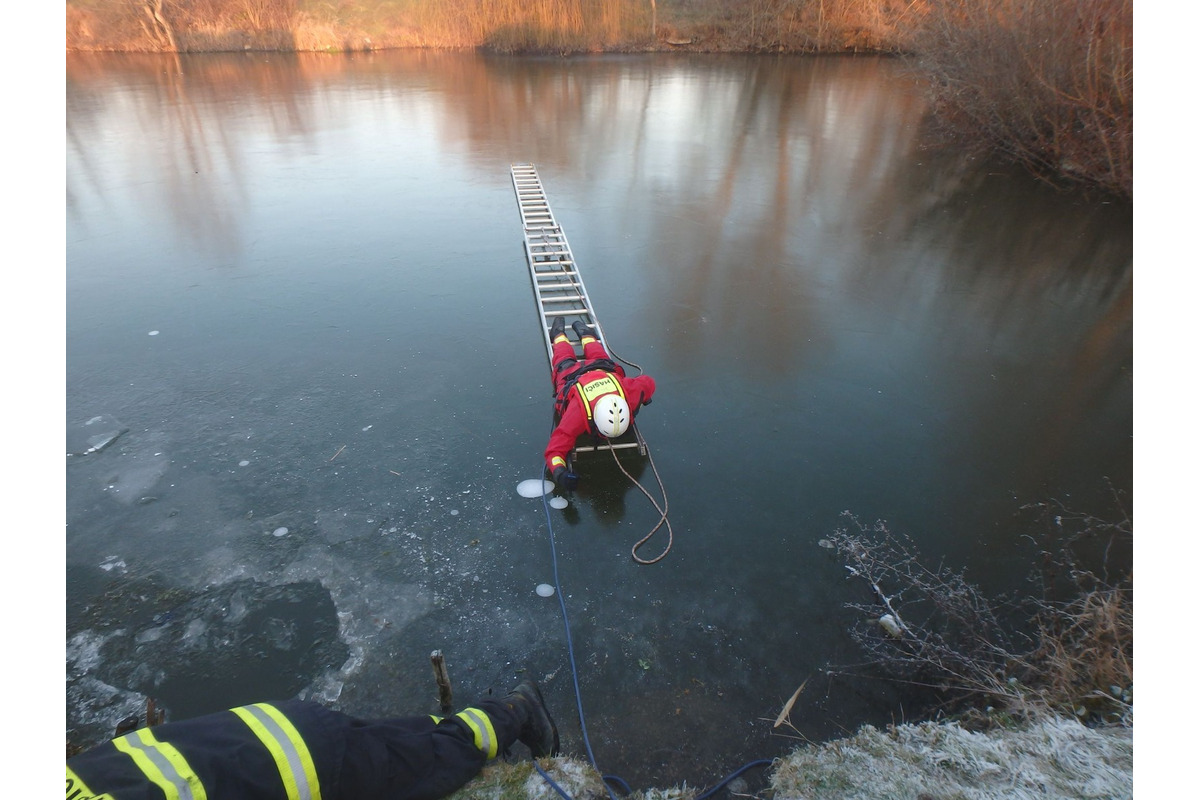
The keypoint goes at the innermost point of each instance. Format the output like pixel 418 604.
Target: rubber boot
pixel 582 330
pixel 538 732
pixel 557 328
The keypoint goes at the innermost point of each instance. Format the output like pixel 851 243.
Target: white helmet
pixel 611 415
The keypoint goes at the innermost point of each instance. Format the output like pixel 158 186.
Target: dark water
pixel 296 295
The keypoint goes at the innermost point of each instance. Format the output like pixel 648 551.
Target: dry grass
pixel 1047 757
pixel 1084 657
pixel 503 25
pixel 502 780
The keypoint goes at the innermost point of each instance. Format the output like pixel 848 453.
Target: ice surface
pixel 534 487
pixel 97 433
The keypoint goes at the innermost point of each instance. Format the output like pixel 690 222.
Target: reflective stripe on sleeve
pixel 78 790
pixel 481 727
pixel 287 747
pixel 162 764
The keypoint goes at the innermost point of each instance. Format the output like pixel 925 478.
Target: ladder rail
pixel 557 285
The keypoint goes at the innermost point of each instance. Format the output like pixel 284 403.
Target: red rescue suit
pixel 575 380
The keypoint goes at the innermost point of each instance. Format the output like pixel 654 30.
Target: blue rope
pixel 713 790
pixel 562 604
pixel 550 780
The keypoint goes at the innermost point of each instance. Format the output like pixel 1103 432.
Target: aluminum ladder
pixel 557 285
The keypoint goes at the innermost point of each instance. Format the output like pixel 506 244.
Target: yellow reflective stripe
pixel 595 388
pixel 287 747
pixel 78 790
pixel 162 764
pixel 605 384
pixel 558 461
pixel 481 727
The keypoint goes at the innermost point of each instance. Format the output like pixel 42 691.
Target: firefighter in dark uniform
pixel 301 750
pixel 591 393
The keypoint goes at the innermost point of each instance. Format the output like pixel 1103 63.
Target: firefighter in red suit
pixel 591 393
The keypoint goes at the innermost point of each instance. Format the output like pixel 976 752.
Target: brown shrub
pixel 1050 82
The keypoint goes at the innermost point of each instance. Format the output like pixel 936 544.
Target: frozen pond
pixel 305 380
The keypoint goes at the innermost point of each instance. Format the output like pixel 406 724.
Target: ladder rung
pixel 592 449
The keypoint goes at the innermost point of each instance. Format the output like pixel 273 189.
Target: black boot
pixel 538 732
pixel 557 328
pixel 582 330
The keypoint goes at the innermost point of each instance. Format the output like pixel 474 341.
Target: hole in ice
pixel 534 487
pixel 544 590
pixel 558 502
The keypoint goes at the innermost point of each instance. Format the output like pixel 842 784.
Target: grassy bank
pixel 1047 82
pixel 1047 757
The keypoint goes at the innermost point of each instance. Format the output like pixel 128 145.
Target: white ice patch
pixel 243 463
pixel 544 590
pixel 279 532
pixel 195 629
pixel 83 650
pixel 113 562
pixel 152 333
pixel 534 487
pixel 150 634
pixel 558 502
